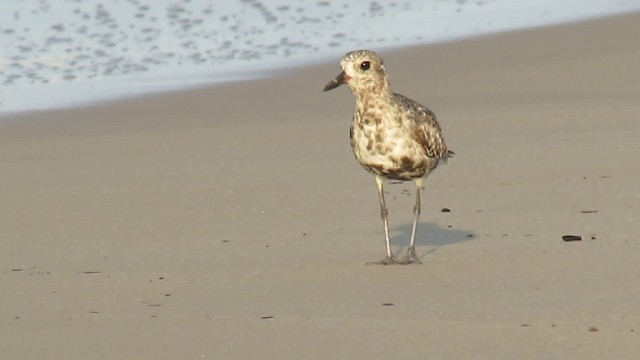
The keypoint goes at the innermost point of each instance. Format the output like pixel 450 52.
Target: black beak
pixel 339 80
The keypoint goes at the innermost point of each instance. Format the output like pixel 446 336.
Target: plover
pixel 392 136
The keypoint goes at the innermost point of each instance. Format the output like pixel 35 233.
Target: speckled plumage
pixel 392 136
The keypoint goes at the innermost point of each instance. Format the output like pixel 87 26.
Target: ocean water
pixel 65 53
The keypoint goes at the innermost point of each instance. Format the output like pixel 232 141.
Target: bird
pixel 392 137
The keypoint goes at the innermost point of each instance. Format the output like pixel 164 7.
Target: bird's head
pixel 363 71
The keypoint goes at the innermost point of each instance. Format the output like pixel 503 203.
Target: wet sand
pixel 233 222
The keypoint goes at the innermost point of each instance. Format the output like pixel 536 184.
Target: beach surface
pixel 233 222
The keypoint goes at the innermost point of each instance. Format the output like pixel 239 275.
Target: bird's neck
pixel 370 105
pixel 368 92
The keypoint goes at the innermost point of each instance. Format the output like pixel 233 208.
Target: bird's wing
pixel 426 129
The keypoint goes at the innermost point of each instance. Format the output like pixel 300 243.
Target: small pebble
pixel 571 237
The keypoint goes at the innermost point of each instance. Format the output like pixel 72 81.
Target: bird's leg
pixel 412 257
pixel 389 259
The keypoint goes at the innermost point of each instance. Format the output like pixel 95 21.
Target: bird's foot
pixel 389 260
pixel 410 258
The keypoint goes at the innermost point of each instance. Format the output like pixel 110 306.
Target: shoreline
pixel 284 73
pixel 274 72
pixel 233 222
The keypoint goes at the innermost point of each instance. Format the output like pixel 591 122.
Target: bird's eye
pixel 365 65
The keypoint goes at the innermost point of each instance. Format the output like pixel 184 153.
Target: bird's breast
pixel 386 148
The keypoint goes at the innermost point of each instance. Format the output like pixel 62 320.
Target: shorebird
pixel 392 136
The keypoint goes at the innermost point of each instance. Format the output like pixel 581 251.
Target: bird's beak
pixel 339 80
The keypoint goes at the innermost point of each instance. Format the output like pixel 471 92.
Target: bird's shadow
pixel 429 235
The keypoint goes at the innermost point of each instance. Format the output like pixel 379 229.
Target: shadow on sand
pixel 429 238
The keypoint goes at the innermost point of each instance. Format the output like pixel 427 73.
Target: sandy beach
pixel 233 222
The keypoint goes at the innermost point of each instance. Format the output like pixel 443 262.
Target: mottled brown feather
pixel 392 136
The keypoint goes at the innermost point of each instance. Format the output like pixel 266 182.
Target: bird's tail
pixel 450 154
